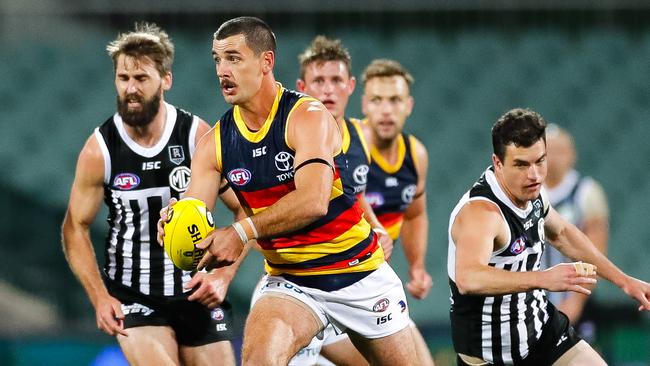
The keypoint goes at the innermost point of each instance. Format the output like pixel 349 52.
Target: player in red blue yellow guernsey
pixel 397 177
pixel 281 153
pixel 325 73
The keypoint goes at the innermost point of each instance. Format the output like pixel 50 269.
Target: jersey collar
pixel 257 136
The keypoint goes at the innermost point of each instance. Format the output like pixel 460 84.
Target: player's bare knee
pixel 395 349
pixel 271 341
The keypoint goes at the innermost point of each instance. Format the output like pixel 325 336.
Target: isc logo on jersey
pixel 126 181
pixel 239 176
pixel 188 222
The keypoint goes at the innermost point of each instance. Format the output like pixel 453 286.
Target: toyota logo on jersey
pixel 360 174
pixel 284 161
pixel 239 176
pixel 408 193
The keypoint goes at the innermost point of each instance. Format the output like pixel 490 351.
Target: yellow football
pixel 188 222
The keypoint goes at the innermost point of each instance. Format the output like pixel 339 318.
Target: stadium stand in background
pixel 585 69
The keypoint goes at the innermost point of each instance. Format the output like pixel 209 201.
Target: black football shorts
pixel 194 324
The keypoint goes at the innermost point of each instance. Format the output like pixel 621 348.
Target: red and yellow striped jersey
pixel 260 167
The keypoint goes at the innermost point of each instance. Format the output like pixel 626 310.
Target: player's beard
pixel 142 117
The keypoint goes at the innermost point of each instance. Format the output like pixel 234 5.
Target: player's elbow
pixel 317 209
pixel 313 203
pixel 467 284
pixel 66 229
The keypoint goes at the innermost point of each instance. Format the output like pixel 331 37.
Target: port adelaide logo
pixel 176 154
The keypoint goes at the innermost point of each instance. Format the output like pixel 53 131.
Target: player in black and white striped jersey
pixel 499 312
pixel 136 160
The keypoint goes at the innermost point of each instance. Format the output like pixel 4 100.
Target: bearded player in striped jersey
pixel 500 314
pixel 135 161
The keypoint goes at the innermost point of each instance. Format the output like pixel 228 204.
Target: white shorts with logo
pixel 373 307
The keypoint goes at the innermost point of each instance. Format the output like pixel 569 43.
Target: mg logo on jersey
pixel 179 178
pixel 374 199
pixel 126 181
pixel 176 154
pixel 239 176
pixel 518 246
pixel 360 174
pixel 284 161
pixel 408 193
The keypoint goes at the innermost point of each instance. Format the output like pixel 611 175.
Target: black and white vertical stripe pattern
pixel 133 257
pixel 509 325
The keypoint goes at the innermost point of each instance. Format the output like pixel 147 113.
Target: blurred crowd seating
pixel 591 80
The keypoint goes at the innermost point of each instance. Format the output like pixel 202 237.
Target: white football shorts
pixel 373 307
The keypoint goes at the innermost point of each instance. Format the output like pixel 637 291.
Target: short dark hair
pixel 386 68
pixel 521 127
pixel 323 49
pixel 258 35
pixel 147 40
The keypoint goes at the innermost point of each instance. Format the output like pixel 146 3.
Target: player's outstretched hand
pixel 163 218
pixel 638 290
pixel 570 277
pixel 109 316
pixel 223 247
